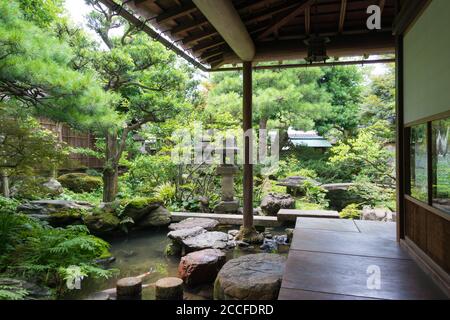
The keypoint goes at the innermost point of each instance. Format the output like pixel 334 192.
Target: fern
pixel 34 250
pixel 12 293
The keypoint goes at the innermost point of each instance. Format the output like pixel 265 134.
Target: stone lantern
pixel 228 203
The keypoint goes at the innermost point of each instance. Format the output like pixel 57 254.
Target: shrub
pixel 80 182
pixel 350 212
pixel 33 250
pixel 166 192
pixel 145 173
pixel 315 194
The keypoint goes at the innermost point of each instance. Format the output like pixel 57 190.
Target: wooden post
pixel 129 288
pixel 247 126
pixel 401 145
pixel 170 288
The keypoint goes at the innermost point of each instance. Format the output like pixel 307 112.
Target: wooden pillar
pixel 170 288
pixel 247 126
pixel 401 147
pixel 129 288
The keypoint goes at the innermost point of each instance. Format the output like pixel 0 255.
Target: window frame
pixel 429 147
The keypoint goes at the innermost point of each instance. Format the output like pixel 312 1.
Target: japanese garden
pixel 95 118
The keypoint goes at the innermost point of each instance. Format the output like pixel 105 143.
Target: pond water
pixel 141 251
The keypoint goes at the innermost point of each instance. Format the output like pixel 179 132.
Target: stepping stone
pixel 180 235
pixel 205 223
pixel 205 240
pixel 201 266
pixel 250 277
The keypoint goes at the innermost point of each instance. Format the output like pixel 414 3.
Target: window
pixel 419 159
pixel 441 164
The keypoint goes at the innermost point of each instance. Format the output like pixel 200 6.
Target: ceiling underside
pixel 278 28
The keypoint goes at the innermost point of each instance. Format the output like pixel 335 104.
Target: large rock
pixel 101 223
pixel 201 266
pixel 140 208
pixel 57 212
pixel 53 187
pixel 156 218
pixel 378 214
pixel 205 223
pixel 80 182
pixel 340 195
pixel 205 240
pixel 250 277
pixel 231 206
pixel 272 203
pixel 295 185
pixel 197 238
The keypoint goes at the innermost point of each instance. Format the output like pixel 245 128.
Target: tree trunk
pixel 5 184
pixel 111 169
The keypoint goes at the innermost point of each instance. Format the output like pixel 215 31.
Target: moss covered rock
pixel 58 213
pixel 139 208
pixel 101 223
pixel 156 218
pixel 80 182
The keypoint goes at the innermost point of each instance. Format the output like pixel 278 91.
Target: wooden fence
pixel 74 139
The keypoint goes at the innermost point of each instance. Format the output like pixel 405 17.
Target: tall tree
pixel 282 98
pixel 149 79
pixel 36 76
pixel 344 84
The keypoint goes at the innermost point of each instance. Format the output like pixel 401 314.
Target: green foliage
pixel 26 146
pixel 35 73
pixel 344 84
pixel 282 98
pixel 374 195
pixel 315 194
pixel 350 212
pixel 145 173
pixel 42 12
pixel 93 197
pixel 80 182
pixel 12 292
pixel 166 192
pixel 364 155
pixel 36 251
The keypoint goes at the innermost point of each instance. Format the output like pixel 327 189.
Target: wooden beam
pixel 176 12
pixel 189 26
pixel 206 46
pixel 339 46
pixel 288 17
pixel 409 11
pixel 307 65
pixel 226 20
pixel 342 15
pixel 247 127
pixel 269 12
pixel 307 20
pixel 130 17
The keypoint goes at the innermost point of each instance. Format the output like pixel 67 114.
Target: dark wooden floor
pixel 330 258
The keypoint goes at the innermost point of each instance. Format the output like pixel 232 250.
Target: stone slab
pixel 232 219
pixel 292 214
